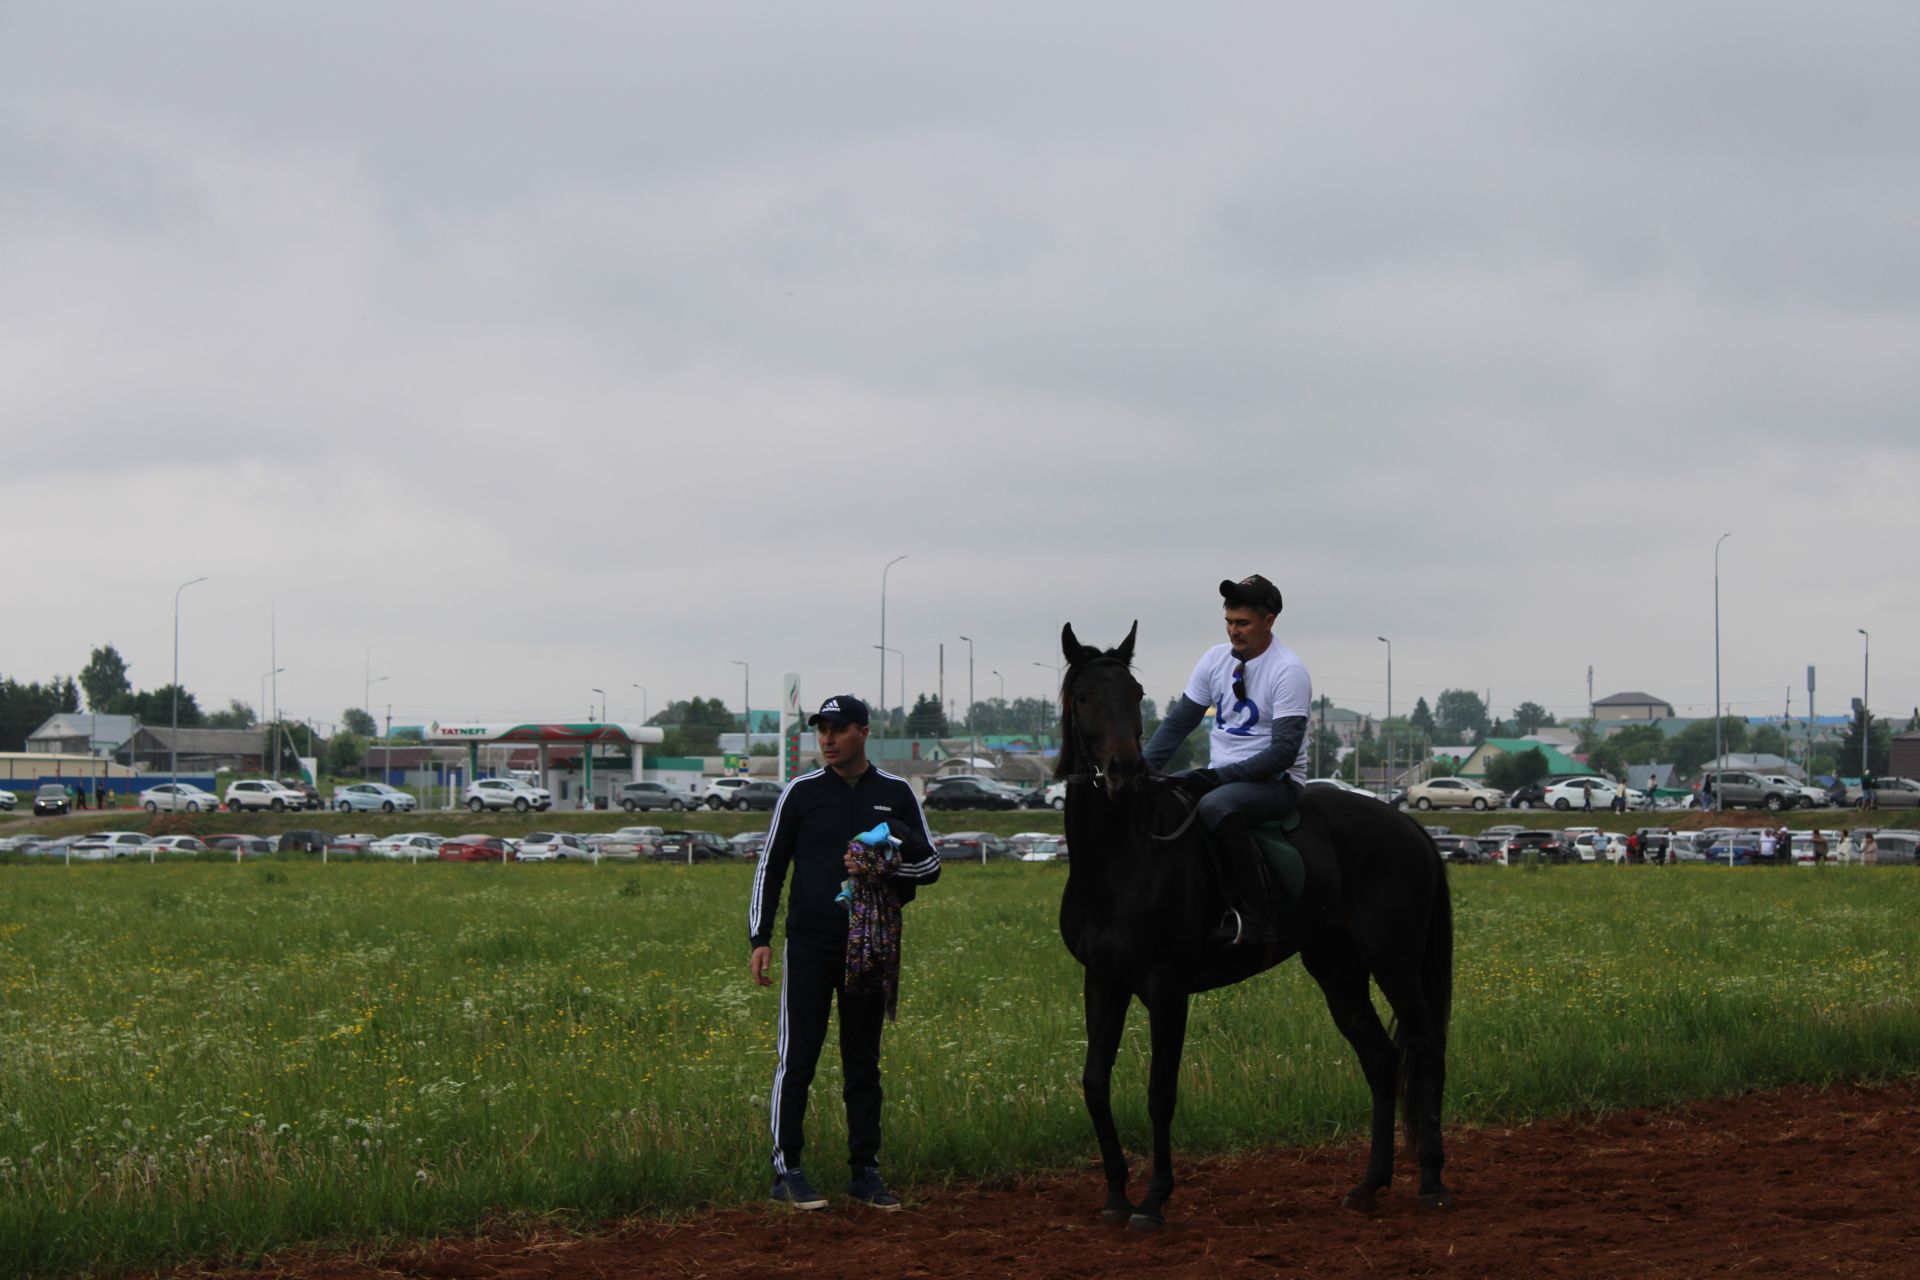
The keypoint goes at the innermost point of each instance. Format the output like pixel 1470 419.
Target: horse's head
pixel 1100 713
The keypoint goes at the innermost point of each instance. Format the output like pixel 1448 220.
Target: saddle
pixel 1287 869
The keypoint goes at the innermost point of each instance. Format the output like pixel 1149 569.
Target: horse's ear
pixel 1125 651
pixel 1072 649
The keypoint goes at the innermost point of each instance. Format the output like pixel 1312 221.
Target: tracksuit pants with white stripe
pixel 812 976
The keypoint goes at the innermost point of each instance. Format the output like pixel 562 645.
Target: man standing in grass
pixel 817 817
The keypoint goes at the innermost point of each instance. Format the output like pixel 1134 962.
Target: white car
pixel 371 797
pixel 1340 784
pixel 1453 793
pixel 628 843
pixel 180 844
pixel 1572 794
pixel 178 796
pixel 719 793
pixel 263 793
pixel 554 846
pixel 408 844
pixel 8 799
pixel 506 793
pixel 1808 797
pixel 100 845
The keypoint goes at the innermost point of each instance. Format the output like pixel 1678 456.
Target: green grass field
pixel 201 1059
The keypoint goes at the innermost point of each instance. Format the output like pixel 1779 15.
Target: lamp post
pixel 973 734
pixel 1003 687
pixel 1719 751
pixel 173 745
pixel 1388 726
pixel 746 699
pixel 883 634
pixel 644 717
pixel 884 651
pixel 1866 690
pixel 1055 668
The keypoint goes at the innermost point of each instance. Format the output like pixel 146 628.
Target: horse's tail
pixel 1423 1051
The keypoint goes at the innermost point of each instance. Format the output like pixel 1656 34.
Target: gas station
pixel 543 736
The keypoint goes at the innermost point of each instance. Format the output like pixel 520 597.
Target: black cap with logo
pixel 1253 591
pixel 841 708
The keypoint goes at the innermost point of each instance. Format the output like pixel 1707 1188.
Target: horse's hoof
pixel 1437 1200
pixel 1115 1217
pixel 1145 1222
pixel 1360 1200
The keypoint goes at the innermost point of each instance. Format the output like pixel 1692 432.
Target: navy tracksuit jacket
pixel 817 815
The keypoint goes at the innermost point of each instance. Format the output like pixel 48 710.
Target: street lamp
pixel 1003 687
pixel 972 733
pixel 366 694
pixel 173 746
pixel 274 733
pixel 1866 689
pixel 1719 751
pixel 883 636
pixel 1388 726
pixel 884 651
pixel 644 717
pixel 746 699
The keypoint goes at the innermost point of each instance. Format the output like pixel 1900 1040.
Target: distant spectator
pixel 1867 798
pixel 1586 796
pixel 1869 851
pixel 1706 792
pixel 80 797
pixel 1767 846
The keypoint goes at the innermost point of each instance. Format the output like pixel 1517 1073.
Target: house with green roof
pixel 1475 765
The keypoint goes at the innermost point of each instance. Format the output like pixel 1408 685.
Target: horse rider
pixel 1262 697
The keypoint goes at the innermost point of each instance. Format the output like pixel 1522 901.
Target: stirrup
pixel 1218 933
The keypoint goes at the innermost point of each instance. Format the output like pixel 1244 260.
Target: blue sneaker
pixel 867 1188
pixel 792 1188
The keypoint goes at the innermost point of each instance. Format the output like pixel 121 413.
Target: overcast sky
pixel 535 348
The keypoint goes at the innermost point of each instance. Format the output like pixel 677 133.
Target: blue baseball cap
pixel 841 708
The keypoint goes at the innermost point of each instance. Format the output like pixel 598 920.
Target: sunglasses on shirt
pixel 1240 681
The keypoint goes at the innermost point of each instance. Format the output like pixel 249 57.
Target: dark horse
pixel 1142 892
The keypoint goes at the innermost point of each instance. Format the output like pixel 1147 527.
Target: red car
pixel 478 848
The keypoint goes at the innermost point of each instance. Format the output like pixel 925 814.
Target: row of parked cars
pixel 1726 846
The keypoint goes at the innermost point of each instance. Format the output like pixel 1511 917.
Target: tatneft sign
pixel 457 732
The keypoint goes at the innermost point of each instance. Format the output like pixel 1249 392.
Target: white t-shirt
pixel 1277 686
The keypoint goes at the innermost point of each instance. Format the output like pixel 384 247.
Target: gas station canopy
pixel 549 733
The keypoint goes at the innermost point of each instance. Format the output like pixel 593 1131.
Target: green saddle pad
pixel 1289 870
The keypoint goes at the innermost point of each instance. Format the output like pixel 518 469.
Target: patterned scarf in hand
pixel 873 925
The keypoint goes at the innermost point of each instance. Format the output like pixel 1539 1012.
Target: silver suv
pixel 1738 788
pixel 506 793
pixel 635 796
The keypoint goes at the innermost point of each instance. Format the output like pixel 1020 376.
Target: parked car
pixel 303 841
pixel 1056 795
pixel 372 797
pixel 1653 843
pixel 719 792
pixel 173 796
pixel 1542 846
pixel 243 843
pixel 51 798
pixel 1805 797
pixel 409 844
pixel 1531 796
pixel 969 793
pixel 1500 834
pixel 309 792
pixel 1897 847
pixel 553 846
pixel 478 847
pixel 263 793
pixel 636 796
pixel 1739 789
pixel 974 846
pixel 748 844
pixel 1896 793
pixel 1461 849
pixel 179 844
pixel 1572 793
pixel 100 845
pixel 758 794
pixel 8 799
pixel 1051 849
pixel 627 844
pixel 1340 784
pixel 1600 846
pixel 1453 793
pixel 692 846
pixel 506 793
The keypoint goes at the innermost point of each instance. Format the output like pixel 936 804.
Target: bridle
pixel 1095 774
